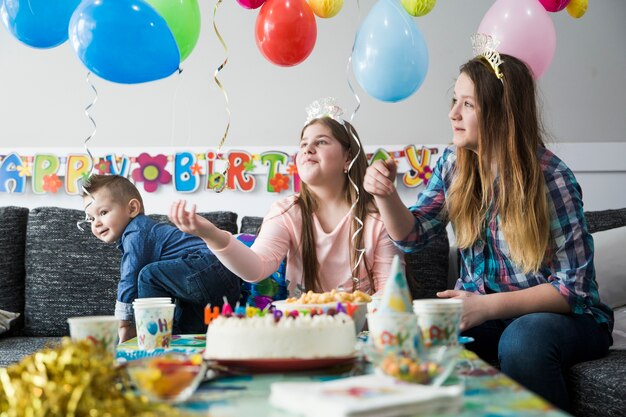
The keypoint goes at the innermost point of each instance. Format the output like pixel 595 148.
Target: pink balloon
pixel 251 4
pixel 554 5
pixel 524 30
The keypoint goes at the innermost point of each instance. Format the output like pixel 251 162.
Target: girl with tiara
pixel 530 297
pixel 330 232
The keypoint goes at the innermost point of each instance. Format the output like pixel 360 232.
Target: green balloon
pixel 183 19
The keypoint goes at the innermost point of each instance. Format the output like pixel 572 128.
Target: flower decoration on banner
pixel 286 31
pixel 425 173
pixel 134 41
pixel 325 8
pixel 38 23
pixel 279 183
pixel 554 5
pixel 24 170
pixel 292 169
pixel 151 171
pixel 196 169
pixel 577 8
pixel 52 183
pixel 249 166
pixel 103 166
pixel 418 7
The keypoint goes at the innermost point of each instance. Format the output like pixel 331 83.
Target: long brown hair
pixel 347 136
pixel 509 137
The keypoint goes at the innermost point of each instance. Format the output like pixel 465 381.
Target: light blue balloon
pixel 390 57
pixel 124 41
pixel 38 23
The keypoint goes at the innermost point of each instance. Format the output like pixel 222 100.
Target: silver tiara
pixel 325 107
pixel 485 46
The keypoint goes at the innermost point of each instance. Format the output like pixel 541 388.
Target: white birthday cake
pixel 269 337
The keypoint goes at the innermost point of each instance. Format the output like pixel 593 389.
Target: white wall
pixel 43 93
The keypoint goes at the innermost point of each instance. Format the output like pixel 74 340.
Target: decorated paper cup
pixel 154 325
pixel 372 306
pixel 393 332
pixel 153 300
pixel 97 329
pixel 439 320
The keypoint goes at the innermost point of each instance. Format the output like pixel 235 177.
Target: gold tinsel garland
pixel 75 379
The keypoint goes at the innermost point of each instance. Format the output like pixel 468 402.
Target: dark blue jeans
pixel 195 280
pixel 536 349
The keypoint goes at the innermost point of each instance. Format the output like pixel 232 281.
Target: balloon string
pixel 219 84
pixel 80 223
pixel 359 230
pixel 349 67
pixel 174 100
pixel 93 122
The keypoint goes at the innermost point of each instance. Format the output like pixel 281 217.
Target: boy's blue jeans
pixel 536 349
pixel 195 280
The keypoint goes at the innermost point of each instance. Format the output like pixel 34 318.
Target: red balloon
pixel 286 31
pixel 554 5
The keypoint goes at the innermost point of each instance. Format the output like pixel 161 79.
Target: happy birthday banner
pixel 186 171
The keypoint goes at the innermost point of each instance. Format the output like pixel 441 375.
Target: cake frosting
pixel 266 337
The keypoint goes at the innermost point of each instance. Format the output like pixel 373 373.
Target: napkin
pixel 364 396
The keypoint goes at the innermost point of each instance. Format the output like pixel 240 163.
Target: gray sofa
pixel 50 270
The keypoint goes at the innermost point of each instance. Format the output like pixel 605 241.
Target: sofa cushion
pixel 610 265
pixel 251 225
pixel 427 269
pixel 597 387
pixel 70 272
pixel 598 221
pixel 14 349
pixel 12 238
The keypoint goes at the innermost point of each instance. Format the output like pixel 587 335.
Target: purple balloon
pixel 251 4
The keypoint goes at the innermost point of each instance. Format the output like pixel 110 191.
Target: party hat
pixel 396 297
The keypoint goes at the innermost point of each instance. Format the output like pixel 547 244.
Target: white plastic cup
pixel 97 329
pixel 393 332
pixel 439 320
pixel 154 325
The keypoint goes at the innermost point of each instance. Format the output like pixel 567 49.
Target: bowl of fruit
pixel 171 377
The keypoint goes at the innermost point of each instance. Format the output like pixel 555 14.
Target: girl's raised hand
pixel 379 178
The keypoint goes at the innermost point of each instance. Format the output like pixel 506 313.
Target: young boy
pixel 158 260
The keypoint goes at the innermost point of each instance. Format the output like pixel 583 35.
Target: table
pixel 487 392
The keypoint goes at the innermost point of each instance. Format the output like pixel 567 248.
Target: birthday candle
pixel 210 314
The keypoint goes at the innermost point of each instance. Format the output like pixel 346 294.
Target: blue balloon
pixel 390 57
pixel 38 23
pixel 125 42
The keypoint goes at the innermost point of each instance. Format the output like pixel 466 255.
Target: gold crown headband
pixel 484 46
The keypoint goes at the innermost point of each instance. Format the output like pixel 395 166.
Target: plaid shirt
pixel 486 266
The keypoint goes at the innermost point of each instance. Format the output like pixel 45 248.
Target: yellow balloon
pixel 577 8
pixel 325 8
pixel 418 7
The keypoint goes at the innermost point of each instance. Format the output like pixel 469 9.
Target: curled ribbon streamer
pixel 348 67
pixel 217 81
pixel 360 251
pixel 89 106
pixel 80 223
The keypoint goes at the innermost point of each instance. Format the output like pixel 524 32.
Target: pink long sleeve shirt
pixel 280 237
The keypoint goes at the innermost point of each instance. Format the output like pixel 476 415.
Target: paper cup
pixel 153 300
pixel 97 329
pixel 372 306
pixel 393 332
pixel 154 325
pixel 439 320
